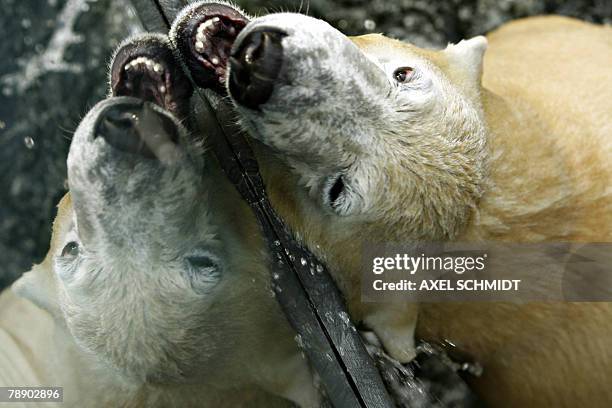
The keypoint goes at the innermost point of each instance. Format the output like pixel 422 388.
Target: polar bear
pixel 369 139
pixel 151 294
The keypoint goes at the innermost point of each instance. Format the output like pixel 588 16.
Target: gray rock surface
pixel 55 54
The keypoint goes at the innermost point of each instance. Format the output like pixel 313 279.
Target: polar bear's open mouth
pixel 205 36
pixel 146 69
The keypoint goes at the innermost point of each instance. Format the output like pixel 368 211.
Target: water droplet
pixel 369 25
pixel 303 261
pixel 299 341
pixel 344 317
pixel 319 268
pixel 29 142
pixel 291 258
pixel 277 243
pixel 275 276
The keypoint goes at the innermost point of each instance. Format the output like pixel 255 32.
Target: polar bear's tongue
pixel 146 69
pixel 205 37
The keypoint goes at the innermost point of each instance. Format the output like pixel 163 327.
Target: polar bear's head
pixel 139 270
pixel 373 130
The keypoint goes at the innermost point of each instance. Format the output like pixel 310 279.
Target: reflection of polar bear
pixel 369 139
pixel 151 293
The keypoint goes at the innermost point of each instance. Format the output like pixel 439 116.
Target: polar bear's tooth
pixel 206 24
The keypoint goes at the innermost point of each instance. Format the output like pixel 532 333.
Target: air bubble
pixel 303 261
pixel 319 268
pixel 369 25
pixel 29 142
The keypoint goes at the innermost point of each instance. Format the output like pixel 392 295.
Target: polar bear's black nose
pixel 254 67
pixel 136 128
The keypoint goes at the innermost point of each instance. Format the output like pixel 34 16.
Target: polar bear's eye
pixel 203 272
pixel 335 191
pixel 402 75
pixel 201 262
pixel 71 250
pixel 337 195
pixel 341 194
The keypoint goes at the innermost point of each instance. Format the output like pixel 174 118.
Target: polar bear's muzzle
pixel 254 66
pixel 126 126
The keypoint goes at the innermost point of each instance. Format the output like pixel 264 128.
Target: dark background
pixel 53 68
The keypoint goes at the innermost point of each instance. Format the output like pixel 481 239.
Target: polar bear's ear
pixel 39 286
pixel 467 56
